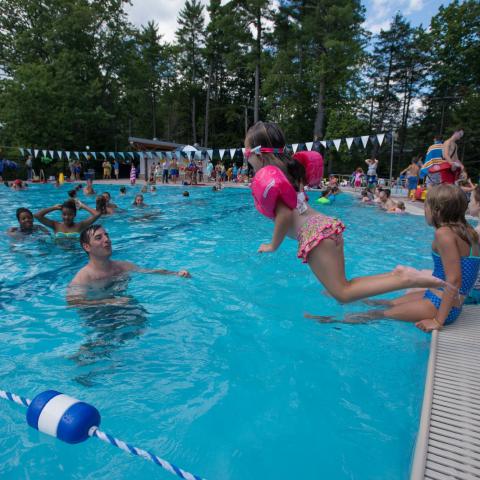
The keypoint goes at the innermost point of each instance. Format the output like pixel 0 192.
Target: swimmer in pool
pixel 26 226
pixel 101 271
pixel 67 227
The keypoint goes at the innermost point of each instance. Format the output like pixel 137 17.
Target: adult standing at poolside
pixel 116 168
pixel 412 175
pixel 450 149
pixel 107 169
pixel 101 270
pixel 372 171
pixel 133 174
pixel 166 168
pixel 29 165
pixel 67 227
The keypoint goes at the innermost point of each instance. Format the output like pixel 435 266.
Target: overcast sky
pixel 379 13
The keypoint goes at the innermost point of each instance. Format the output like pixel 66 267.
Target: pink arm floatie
pixel 313 163
pixel 268 187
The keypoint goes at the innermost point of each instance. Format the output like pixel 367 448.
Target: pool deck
pixel 448 440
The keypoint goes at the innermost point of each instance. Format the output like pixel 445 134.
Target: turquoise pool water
pixel 219 374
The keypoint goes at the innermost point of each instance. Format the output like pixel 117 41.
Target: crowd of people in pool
pixel 279 190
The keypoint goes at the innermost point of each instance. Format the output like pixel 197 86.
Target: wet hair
pixel 88 233
pixel 72 193
pixel 401 205
pixel 70 205
pixel 22 210
pixel 448 205
pixel 101 204
pixel 106 193
pixel 268 134
pixel 438 138
pixel 135 199
pixel 186 194
pixel 387 192
pixel 123 189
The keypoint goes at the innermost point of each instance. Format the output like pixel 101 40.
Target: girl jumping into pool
pixel 67 228
pixel 278 193
pixel 456 260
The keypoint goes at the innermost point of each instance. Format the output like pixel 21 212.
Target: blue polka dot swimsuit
pixel 470 266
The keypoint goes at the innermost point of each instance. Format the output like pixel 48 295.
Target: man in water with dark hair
pixel 101 271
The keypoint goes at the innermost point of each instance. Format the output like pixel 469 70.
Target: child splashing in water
pixel 278 192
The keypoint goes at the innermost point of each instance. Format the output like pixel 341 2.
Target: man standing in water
pixel 101 271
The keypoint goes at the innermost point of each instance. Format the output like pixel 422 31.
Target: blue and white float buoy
pixel 74 421
pixel 61 416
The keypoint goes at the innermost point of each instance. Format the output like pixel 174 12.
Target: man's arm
pixel 131 267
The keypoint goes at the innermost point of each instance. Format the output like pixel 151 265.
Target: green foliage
pixel 76 72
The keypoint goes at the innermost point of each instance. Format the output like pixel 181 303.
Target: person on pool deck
pixel 101 270
pixel 26 226
pixel 67 227
pixel 88 190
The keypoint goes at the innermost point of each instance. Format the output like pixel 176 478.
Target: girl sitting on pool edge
pixel 456 260
pixel 67 228
pixel 278 188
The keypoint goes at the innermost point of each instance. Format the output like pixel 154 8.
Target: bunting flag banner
pixel 76 155
pixel 122 155
pixel 111 154
pixel 85 154
pixel 44 153
pixel 210 154
pixel 21 152
pixel 365 140
pixel 309 145
pixel 51 153
pixel 243 151
pixel 323 143
pixel 94 155
pixel 232 152
pixel 294 147
pixel 222 153
pixel 349 141
pixel 169 155
pixel 337 143
pixel 35 151
pixel 380 137
pixel 68 155
pixel 59 154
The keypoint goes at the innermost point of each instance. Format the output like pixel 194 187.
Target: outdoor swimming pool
pixel 219 374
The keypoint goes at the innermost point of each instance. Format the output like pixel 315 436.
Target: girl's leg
pixel 409 297
pixel 328 264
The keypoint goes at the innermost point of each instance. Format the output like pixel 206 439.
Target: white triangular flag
pixel 21 151
pixel 94 155
pixel 323 143
pixel 35 153
pixel 52 153
pixel 365 140
pixel 243 151
pixel 68 155
pixel 59 154
pixel 294 147
pixel 349 141
pixel 210 154
pixel 222 153
pixel 232 152
pixel 309 145
pixel 380 137
pixel 337 143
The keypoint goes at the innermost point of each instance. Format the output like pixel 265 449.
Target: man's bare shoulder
pixel 82 277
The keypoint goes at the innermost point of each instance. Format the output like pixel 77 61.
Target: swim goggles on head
pixel 258 150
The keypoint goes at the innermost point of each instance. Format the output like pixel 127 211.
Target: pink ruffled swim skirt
pixel 315 230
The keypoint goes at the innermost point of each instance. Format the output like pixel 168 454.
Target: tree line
pixel 77 72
